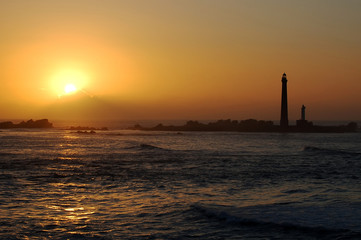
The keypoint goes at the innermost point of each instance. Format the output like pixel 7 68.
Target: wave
pixel 295 191
pixel 6 154
pixel 318 150
pixel 144 146
pixel 141 134
pixel 286 218
pixel 150 147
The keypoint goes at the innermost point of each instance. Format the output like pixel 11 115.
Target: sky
pixel 186 59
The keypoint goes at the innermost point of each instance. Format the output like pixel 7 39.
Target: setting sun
pixel 69 81
pixel 70 88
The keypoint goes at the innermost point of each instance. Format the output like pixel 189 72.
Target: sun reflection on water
pixel 69 206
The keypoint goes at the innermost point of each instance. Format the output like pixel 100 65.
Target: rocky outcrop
pixel 42 123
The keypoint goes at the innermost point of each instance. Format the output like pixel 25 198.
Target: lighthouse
pixel 284 106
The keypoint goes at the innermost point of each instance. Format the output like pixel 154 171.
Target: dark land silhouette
pixel 42 123
pixel 86 130
pixel 81 128
pixel 249 125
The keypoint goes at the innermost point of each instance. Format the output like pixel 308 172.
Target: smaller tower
pixel 303 113
pixel 303 124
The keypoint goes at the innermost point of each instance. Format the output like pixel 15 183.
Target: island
pixel 85 132
pixel 42 123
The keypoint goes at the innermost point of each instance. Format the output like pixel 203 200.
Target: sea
pixel 124 184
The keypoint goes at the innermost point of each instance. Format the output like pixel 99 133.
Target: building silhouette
pixel 284 105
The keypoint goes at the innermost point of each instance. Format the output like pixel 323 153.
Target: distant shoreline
pixel 249 125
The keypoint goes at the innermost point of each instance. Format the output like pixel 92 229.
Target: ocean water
pixel 55 184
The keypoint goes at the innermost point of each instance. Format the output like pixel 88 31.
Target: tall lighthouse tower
pixel 284 106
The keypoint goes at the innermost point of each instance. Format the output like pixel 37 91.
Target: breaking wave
pixel 318 150
pixel 281 218
pixel 144 146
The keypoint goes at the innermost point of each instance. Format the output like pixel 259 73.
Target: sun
pixel 69 81
pixel 70 88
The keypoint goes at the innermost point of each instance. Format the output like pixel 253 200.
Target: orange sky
pixel 201 59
